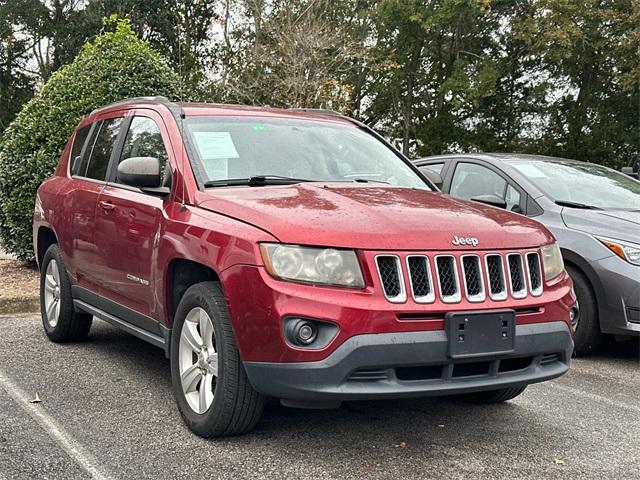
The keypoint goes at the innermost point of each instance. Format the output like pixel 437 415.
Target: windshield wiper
pixel 255 181
pixel 367 180
pixel 566 203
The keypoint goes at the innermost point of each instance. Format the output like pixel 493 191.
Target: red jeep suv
pixel 291 254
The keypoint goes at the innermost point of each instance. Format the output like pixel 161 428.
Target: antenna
pixel 181 116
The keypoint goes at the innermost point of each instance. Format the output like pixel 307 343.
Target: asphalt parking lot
pixel 107 411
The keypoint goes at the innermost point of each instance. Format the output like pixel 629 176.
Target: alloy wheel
pixel 198 360
pixel 52 293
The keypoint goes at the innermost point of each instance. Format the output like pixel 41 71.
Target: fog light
pixel 305 332
pixel 309 333
pixel 301 332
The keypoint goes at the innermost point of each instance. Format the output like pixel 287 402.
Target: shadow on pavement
pixel 627 349
pixel 380 422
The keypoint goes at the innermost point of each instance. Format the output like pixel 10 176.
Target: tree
pixel 114 66
pixel 588 49
pixel 290 56
pixel 15 86
pixel 432 70
pixel 177 29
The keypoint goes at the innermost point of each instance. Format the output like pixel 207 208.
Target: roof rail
pixel 318 110
pixel 158 99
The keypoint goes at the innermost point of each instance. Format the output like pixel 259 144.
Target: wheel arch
pixel 45 238
pixel 181 274
pixel 580 264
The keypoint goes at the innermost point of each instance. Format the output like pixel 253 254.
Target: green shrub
pixel 114 66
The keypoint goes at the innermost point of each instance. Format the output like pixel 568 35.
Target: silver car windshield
pixel 582 183
pixel 291 148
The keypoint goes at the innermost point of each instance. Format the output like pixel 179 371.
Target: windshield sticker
pixel 530 171
pixel 259 127
pixel 216 148
pixel 215 145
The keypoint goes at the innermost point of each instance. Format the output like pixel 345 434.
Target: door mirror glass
pixel 492 200
pixel 141 172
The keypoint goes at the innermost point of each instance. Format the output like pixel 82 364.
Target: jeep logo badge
pixel 465 241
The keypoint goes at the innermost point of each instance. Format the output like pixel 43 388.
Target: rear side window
pixel 102 149
pixel 471 180
pixel 76 151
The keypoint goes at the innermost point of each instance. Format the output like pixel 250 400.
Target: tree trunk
pixel 407 101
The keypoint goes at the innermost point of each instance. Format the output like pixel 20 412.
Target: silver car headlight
pixel 625 250
pixel 326 266
pixel 552 262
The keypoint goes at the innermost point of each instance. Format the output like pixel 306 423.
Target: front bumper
pixel 619 306
pixel 259 304
pixel 414 364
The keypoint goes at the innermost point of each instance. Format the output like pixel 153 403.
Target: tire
pixel 492 396
pixel 234 407
pixel 587 336
pixel 62 323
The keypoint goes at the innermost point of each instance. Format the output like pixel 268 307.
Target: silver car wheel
pixel 52 293
pixel 198 360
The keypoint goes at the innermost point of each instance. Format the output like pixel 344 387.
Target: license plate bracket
pixel 480 334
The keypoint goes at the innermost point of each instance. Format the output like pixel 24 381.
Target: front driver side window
pixel 471 180
pixel 144 140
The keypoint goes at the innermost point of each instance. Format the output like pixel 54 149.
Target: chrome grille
pixel 447 273
pixel 390 273
pixel 534 273
pixel 516 276
pixel 472 276
pixel 495 273
pixel 420 279
pixel 477 277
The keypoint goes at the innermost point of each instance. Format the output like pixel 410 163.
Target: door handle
pixel 106 206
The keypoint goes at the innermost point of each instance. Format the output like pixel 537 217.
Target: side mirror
pixel 435 178
pixel 492 200
pixel 144 173
pixel 629 171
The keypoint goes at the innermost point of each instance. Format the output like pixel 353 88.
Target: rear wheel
pixel 212 390
pixel 492 396
pixel 587 336
pixel 62 323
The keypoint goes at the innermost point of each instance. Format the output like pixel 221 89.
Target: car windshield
pixel 586 184
pixel 296 149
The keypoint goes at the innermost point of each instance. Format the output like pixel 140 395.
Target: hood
pixel 620 224
pixel 372 217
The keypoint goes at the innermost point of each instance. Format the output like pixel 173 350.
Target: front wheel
pixel 587 336
pixel 210 384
